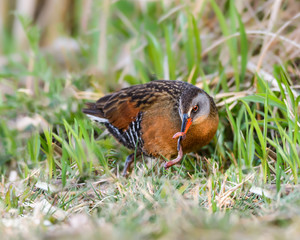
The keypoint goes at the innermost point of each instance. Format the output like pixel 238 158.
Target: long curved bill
pixel 186 123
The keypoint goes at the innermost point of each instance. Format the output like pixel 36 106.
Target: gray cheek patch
pixel 204 104
pixel 202 100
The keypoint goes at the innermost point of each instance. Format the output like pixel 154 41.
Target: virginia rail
pixel 145 117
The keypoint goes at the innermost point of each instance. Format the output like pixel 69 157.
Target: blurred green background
pixel 56 55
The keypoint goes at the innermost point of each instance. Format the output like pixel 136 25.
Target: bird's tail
pixel 94 113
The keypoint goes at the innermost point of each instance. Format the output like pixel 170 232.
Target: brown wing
pixel 118 108
pixel 121 108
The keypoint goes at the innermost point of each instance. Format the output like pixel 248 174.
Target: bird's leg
pixel 176 160
pixel 128 162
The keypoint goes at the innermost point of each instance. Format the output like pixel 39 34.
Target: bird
pixel 149 117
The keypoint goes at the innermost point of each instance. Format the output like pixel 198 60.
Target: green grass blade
pixel 260 138
pixel 230 42
pixel 170 54
pixel 198 45
pixel 243 43
pixel 155 54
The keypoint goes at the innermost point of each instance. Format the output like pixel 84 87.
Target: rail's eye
pixel 195 108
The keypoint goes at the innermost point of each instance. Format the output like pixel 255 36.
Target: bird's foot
pixel 176 160
pixel 180 134
pixel 128 162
